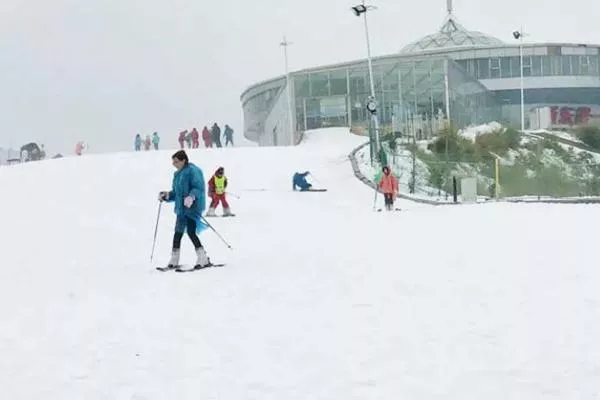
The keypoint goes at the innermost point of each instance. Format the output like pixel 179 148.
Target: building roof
pixel 451 34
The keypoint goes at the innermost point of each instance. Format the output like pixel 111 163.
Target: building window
pixel 495 68
pixel 576 65
pixel 526 66
pixel 566 65
pixel 505 67
pixel 584 64
pixel 319 84
pixel 483 67
pixel 593 65
pixel 515 66
pixel 338 84
pixel 546 66
pixel 472 67
pixel 555 65
pixel 536 66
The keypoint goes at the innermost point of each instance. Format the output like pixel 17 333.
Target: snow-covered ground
pixel 321 297
pixel 472 132
pixel 559 134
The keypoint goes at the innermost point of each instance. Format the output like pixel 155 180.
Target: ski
pixel 163 269
pixel 183 268
pixel 395 209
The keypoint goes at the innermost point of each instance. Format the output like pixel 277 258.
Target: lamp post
pixel 359 10
pixel 518 35
pixel 285 45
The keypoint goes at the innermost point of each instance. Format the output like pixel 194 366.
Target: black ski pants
pixel 190 226
pixel 389 199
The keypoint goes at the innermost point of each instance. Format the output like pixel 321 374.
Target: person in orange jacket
pixel 389 187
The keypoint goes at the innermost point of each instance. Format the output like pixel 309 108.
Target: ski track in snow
pixel 321 298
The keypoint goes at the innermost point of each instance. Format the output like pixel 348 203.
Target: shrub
pixel 456 146
pixel 498 142
pixel 589 135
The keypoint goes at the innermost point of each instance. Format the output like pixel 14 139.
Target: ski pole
pixel 217 233
pixel 234 195
pixel 156 230
pixel 375 200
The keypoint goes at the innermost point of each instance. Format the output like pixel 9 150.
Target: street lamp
pixel 359 10
pixel 518 35
pixel 285 45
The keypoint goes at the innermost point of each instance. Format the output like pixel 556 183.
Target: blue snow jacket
pixel 300 181
pixel 189 181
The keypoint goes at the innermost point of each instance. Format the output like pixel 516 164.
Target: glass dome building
pixel 454 75
pixel 451 35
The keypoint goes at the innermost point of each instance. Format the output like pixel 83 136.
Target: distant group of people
pixel 189 139
pixel 147 143
pixel 211 138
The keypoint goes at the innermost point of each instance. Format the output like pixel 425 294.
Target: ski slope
pixel 321 298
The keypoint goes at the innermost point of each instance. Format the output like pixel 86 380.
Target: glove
pixel 162 196
pixel 188 201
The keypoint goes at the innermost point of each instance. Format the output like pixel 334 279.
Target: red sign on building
pixel 565 115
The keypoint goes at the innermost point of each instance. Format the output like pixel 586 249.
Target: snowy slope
pixel 321 297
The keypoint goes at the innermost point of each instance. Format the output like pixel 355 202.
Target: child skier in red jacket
pixel 216 191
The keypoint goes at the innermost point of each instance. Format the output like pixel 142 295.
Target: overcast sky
pixel 104 70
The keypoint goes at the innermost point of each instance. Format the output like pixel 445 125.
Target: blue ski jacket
pixel 299 180
pixel 189 181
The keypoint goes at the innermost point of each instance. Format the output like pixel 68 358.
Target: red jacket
pixel 206 135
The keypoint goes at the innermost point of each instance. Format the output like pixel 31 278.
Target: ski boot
pixel 202 261
pixel 211 212
pixel 173 261
pixel 227 212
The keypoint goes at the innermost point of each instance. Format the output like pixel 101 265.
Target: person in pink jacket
pixel 389 187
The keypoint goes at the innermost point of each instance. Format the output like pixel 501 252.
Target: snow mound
pixel 332 137
pixel 472 132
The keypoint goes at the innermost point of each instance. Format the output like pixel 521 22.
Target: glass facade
pixel 415 93
pixel 554 65
pixel 404 90
pixel 257 107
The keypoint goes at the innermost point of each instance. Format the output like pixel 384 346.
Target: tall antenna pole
pixel 285 45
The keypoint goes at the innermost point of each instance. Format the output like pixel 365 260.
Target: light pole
pixel 518 35
pixel 371 102
pixel 285 45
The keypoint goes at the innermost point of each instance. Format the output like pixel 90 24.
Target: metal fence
pixel 531 175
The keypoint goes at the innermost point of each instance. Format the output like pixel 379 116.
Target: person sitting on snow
pixel 299 180
pixel 389 186
pixel 216 190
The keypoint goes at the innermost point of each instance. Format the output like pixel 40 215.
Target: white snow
pixel 559 134
pixel 322 298
pixel 472 132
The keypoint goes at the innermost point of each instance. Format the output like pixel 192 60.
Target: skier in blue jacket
pixel 299 180
pixel 189 195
